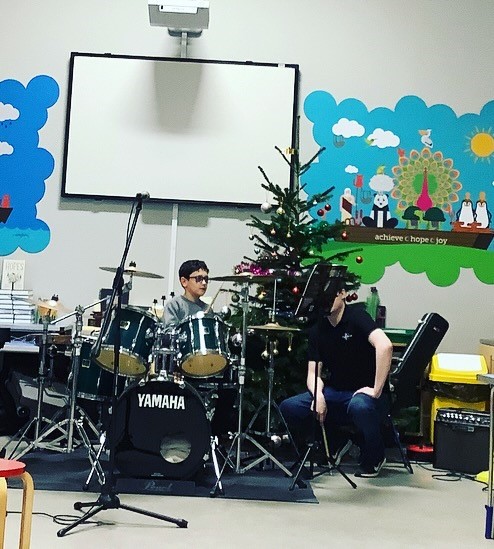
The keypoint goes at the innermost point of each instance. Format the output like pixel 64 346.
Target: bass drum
pixel 161 430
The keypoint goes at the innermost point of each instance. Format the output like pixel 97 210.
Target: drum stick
pixel 210 306
pixel 325 439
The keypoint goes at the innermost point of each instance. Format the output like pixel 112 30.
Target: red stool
pixel 12 468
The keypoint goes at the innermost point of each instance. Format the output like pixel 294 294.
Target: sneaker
pixel 371 472
pixel 342 450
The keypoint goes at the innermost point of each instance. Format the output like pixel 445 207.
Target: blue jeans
pixel 361 411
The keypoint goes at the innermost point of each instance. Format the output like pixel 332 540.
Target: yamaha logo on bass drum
pixel 170 402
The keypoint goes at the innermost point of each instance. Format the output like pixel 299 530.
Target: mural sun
pixel 481 144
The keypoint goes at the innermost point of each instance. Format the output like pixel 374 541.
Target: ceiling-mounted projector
pixel 191 16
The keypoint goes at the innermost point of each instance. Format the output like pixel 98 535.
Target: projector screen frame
pixel 68 191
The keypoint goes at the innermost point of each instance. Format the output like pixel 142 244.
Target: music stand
pixel 324 283
pixel 108 498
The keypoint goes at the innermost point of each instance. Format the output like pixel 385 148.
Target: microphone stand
pixel 108 498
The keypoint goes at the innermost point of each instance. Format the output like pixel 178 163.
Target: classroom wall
pixel 373 50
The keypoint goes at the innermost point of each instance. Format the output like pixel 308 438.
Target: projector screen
pixel 182 130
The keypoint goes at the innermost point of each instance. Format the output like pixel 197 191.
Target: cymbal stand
pixel 241 436
pixel 271 405
pixel 74 415
pixel 38 420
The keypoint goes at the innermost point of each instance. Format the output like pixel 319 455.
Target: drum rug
pixel 69 472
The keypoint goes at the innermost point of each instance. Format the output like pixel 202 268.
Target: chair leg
pixel 404 457
pixel 27 510
pixel 3 509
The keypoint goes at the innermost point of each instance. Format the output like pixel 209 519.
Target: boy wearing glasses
pixel 193 275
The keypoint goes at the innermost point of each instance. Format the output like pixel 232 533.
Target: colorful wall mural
pixel 24 166
pixel 413 184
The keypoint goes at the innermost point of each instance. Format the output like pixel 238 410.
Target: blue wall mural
pixel 417 175
pixel 24 166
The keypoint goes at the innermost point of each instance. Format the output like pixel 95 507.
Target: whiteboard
pixel 182 130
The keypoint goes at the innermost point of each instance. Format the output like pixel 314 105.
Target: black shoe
pixel 340 452
pixel 370 472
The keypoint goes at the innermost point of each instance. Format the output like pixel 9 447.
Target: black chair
pixel 407 371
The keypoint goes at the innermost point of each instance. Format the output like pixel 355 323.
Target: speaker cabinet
pixel 461 441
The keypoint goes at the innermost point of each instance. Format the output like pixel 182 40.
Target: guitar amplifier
pixel 461 440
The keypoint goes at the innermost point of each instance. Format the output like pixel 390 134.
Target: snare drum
pixel 161 429
pixel 137 329
pixel 202 345
pixel 94 383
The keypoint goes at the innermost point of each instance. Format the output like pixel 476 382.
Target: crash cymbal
pixel 275 327
pixel 132 272
pixel 247 277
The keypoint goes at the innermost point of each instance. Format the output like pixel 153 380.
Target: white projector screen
pixel 182 130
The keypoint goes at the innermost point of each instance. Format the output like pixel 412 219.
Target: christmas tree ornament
pixel 359 259
pixel 320 212
pixel 280 211
pixel 266 207
pixel 288 234
pixel 273 231
pixel 295 290
pixel 235 298
pixel 251 237
pixel 354 296
pixel 327 207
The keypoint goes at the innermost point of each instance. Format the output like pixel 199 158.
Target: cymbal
pixel 275 327
pixel 51 305
pixel 132 272
pixel 247 277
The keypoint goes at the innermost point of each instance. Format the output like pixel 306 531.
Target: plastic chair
pixel 10 468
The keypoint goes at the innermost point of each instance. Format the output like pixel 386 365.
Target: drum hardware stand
pixel 73 414
pixel 108 498
pixel 270 405
pixel 240 436
pixel 38 420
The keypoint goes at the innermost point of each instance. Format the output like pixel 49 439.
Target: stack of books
pixel 16 307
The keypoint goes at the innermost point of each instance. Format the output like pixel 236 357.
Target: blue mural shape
pixel 24 166
pixel 414 167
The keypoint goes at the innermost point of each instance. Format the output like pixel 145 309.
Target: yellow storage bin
pixel 457 368
pixel 448 372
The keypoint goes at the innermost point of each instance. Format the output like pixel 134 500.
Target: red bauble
pixel 320 212
pixel 359 259
pixel 327 207
pixel 344 235
pixel 295 290
pixel 354 296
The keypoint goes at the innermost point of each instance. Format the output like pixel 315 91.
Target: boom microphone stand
pixel 319 295
pixel 108 498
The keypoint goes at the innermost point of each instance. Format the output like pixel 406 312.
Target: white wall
pixel 373 50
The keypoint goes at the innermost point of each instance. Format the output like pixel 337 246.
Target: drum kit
pixel 167 384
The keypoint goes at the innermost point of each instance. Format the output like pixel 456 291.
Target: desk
pixel 489 533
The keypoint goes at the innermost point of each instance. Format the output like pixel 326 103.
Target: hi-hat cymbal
pixel 275 327
pixel 51 305
pixel 247 277
pixel 132 272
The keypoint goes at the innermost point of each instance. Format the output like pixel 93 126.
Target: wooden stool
pixel 13 468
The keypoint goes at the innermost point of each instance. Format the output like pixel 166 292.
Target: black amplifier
pixel 461 440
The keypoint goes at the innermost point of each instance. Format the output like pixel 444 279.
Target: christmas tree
pixel 287 244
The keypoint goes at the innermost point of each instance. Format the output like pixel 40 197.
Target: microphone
pixel 143 196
